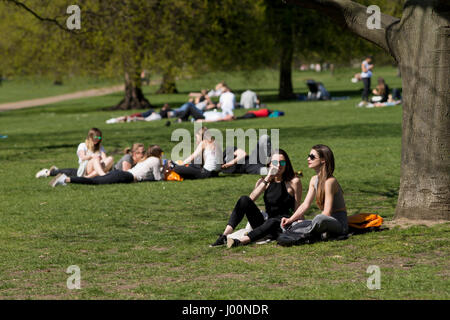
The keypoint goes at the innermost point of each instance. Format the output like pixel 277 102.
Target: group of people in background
pixel 382 97
pixel 279 184
pixel 201 108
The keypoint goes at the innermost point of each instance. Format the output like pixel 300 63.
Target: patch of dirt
pixel 406 223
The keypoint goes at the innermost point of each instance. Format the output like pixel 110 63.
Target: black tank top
pixel 278 201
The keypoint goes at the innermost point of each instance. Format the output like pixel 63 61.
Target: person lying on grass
pixel 132 156
pixel 148 169
pixel 236 160
pixel 282 191
pixel 329 197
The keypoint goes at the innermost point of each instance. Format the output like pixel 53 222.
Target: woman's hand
pixel 285 222
pixel 271 174
pixel 226 165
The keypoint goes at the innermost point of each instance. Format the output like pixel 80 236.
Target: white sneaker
pixel 44 173
pixel 60 179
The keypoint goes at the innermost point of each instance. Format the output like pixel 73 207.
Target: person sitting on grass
pixel 129 160
pixel 381 92
pixel 131 157
pixel 92 159
pixel 208 150
pixel 329 198
pixel 148 169
pixel 282 195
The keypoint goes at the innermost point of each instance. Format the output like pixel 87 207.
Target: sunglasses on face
pixel 276 162
pixel 312 157
pixel 97 137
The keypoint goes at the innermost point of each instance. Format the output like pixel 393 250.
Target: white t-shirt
pixel 367 74
pixel 82 147
pixel 248 99
pixel 153 116
pixel 213 115
pixel 227 102
pixel 147 168
pixel 212 158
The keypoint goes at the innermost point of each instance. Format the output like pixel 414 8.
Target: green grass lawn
pixel 150 240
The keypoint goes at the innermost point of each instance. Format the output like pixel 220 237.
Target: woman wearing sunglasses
pixel 329 197
pixel 282 191
pixel 92 157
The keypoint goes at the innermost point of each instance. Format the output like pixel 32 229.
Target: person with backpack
pixel 282 191
pixel 329 198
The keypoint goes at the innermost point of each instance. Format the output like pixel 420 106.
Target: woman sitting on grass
pixel 282 195
pixel 92 159
pixel 208 150
pixel 329 197
pixel 148 169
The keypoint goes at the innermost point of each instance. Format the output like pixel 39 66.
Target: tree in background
pixel 419 42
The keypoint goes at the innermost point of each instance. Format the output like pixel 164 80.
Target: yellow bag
pixel 173 176
pixel 364 220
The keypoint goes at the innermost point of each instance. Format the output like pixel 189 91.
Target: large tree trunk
pixel 134 98
pixel 420 44
pixel 424 49
pixel 167 85
pixel 286 90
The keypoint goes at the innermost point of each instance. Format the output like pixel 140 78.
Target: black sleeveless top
pixel 278 201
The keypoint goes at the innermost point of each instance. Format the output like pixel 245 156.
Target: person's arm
pixel 363 67
pixel 300 212
pixel 196 153
pixel 238 155
pixel 126 166
pixel 83 155
pixel 296 184
pixel 263 183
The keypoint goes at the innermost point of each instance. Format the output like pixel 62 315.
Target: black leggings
pixel 116 176
pixel 366 91
pixel 70 172
pixel 191 111
pixel 194 172
pixel 261 228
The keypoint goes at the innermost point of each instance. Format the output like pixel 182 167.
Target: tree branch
pixel 54 21
pixel 353 16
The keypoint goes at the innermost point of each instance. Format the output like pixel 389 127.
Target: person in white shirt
pixel 92 158
pixel 209 151
pixel 249 100
pixel 227 101
pixel 149 169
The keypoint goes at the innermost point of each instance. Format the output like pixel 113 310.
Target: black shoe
pixel 221 240
pixel 231 243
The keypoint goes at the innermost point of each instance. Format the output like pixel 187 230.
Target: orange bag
pixel 173 176
pixel 364 220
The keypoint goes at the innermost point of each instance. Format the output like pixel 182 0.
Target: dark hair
pixel 289 172
pixel 154 151
pixel 326 171
pixel 381 87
